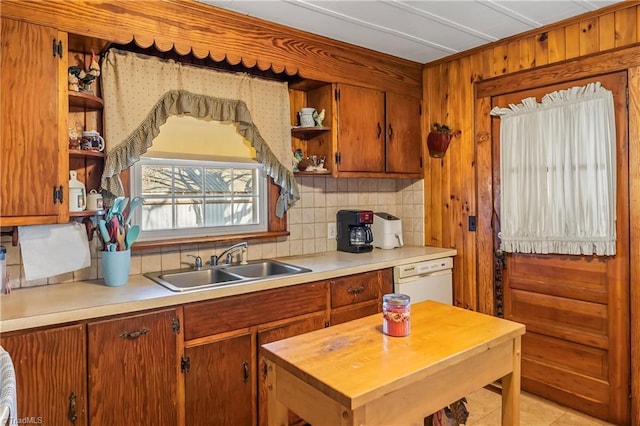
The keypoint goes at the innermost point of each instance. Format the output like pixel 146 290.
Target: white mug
pixel 91 139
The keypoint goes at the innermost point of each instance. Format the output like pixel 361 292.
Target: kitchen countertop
pixel 82 300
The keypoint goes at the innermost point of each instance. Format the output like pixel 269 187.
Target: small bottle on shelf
pixel 77 193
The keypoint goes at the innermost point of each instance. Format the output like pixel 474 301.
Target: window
pixel 185 198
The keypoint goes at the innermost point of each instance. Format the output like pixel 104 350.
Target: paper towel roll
pixel 49 250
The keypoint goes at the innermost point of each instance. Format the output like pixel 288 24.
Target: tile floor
pixel 484 410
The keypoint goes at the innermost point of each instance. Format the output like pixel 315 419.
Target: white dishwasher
pixel 428 280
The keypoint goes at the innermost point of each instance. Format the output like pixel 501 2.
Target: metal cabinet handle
pixel 390 131
pixel 379 131
pixel 245 370
pixel 134 335
pixel 355 290
pixel 264 370
pixel 72 414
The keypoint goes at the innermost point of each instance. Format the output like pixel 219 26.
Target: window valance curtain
pixel 558 173
pixel 141 92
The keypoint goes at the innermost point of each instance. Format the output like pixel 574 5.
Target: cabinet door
pixel 51 375
pixel 361 129
pixel 289 329
pixel 404 147
pixel 33 155
pixel 219 383
pixel 133 370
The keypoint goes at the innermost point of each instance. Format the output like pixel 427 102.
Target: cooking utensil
pixel 131 236
pixel 104 232
pixel 115 207
pixel 123 205
pixel 120 239
pixel 135 203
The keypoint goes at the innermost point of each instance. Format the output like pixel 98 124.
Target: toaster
pixel 387 231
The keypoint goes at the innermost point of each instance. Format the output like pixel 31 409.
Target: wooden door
pixel 361 129
pixel 219 383
pixel 403 144
pixel 32 160
pixel 576 308
pixel 290 329
pixel 51 375
pixel 133 370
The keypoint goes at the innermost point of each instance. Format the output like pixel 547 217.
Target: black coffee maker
pixel 354 230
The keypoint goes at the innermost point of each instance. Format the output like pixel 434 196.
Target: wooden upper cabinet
pixel 361 129
pixel 51 374
pixel 404 141
pixel 379 133
pixel 133 370
pixel 33 148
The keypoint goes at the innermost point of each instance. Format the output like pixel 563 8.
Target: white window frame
pixel 261 188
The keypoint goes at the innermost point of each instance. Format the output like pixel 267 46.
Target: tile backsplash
pixel 321 198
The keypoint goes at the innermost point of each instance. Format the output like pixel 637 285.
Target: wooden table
pixel 353 374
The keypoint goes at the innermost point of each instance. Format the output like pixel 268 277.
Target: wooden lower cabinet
pixel 51 375
pixel 133 370
pixel 272 334
pixel 360 295
pixel 149 369
pixel 219 383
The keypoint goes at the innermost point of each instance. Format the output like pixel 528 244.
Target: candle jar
pixel 396 314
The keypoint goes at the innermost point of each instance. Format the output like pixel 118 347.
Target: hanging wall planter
pixel 439 139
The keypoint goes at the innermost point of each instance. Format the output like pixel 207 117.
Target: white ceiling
pixel 421 31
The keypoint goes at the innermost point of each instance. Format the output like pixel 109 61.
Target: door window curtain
pixel 141 91
pixel 558 173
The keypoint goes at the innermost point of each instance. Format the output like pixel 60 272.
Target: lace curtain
pixel 141 92
pixel 558 173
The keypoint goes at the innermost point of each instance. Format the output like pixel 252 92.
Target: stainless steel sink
pixel 224 275
pixel 264 269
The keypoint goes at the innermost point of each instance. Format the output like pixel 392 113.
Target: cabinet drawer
pixel 355 288
pixel 351 313
pixel 235 312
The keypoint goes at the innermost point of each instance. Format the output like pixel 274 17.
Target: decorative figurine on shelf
pixel 94 66
pixel 75 136
pixel 297 156
pixel 318 117
pixel 81 81
pixel 74 82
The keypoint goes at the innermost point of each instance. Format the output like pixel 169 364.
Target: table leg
pixel 278 414
pixel 511 389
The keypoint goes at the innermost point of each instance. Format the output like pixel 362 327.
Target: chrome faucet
pixel 243 246
pixel 197 264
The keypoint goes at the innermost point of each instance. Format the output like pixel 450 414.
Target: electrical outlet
pixel 331 231
pixel 472 223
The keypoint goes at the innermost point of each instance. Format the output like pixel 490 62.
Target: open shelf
pixel 86 213
pixel 308 132
pixel 305 173
pixel 86 153
pixel 81 101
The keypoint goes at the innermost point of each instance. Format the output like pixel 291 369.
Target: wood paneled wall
pixel 452 189
pixel 190 27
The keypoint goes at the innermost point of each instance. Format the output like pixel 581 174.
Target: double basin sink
pixel 224 275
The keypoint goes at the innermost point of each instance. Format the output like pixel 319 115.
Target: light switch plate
pixel 331 231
